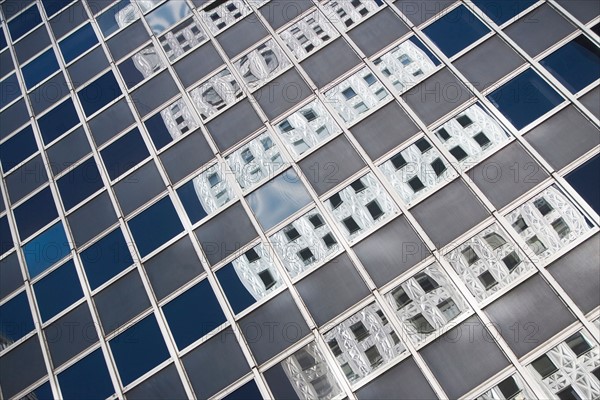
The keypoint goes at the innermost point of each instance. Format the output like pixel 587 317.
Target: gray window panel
pixel 226 233
pixel 564 137
pixel 21 366
pixel 165 384
pixel 378 32
pixel 402 382
pixel 529 315
pixel 49 93
pixel 487 63
pixel 591 101
pixel 154 93
pixel 127 40
pixel 87 67
pixel 12 118
pixel 507 175
pixel 234 125
pixel 10 275
pixel 12 7
pixel 330 62
pixel 282 93
pixel 539 29
pixel 421 10
pixel 6 63
pixel 279 383
pixel 198 64
pixel 111 121
pixel 331 164
pixel 173 267
pixel 186 156
pixel 437 96
pixel 70 334
pixel 242 35
pixel 121 301
pixel 449 213
pixel 278 13
pixel 273 327
pixel 68 150
pixel 384 130
pixel 577 273
pixel 227 364
pixel 68 19
pixel 139 187
pixel 583 10
pixel 469 345
pixel 32 44
pixel 26 178
pixel 390 251
pixel 91 219
pixel 200 3
pixel 331 289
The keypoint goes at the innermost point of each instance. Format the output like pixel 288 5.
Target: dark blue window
pixel 9 90
pixel 106 258
pixel 46 249
pixel 57 290
pixel 99 93
pixel 79 183
pixel 15 318
pixel 43 392
pixel 131 74
pixel 525 98
pixel 35 213
pixel 576 64
pixel 247 392
pixel 62 118
pixel 501 11
pixel 53 6
pixel 40 68
pixel 108 21
pixel 87 379
pixel 189 322
pixel 139 349
pixel 78 42
pixel 124 153
pixel 456 30
pixel 3 43
pixel 25 22
pixel 158 131
pixel 582 180
pixel 238 296
pixel 6 240
pixel 17 148
pixel 155 226
pixel 191 202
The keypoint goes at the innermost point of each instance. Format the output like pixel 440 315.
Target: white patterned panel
pixel 262 63
pixel 309 34
pixel 248 272
pixel 178 119
pixel 217 93
pixel 495 393
pixel 345 13
pixel 212 196
pixel 225 15
pixel 182 38
pixel 127 15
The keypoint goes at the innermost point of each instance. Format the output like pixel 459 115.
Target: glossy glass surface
pixel 62 280
pixel 46 249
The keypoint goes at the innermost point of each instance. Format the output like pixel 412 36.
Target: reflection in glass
pixel 121 14
pixel 182 38
pixel 217 93
pixel 262 63
pixel 166 15
pixel 46 249
pixel 310 33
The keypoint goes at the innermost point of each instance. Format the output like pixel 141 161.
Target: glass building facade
pixel 306 199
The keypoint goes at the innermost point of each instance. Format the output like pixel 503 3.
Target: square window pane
pixel 124 153
pixel 62 280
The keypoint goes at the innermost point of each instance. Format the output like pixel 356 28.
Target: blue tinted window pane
pixel 58 121
pixel 2 40
pixel 17 148
pixel 124 153
pixel 53 6
pixel 40 68
pixel 35 213
pixel 6 240
pixel 166 15
pixel 79 183
pixel 158 131
pixel 78 42
pixel 239 298
pixel 43 392
pixel 155 226
pixel 501 11
pixel 130 72
pixel 9 90
pixel 106 258
pixel 191 202
pixel 139 349
pixel 456 30
pixel 576 64
pixel 278 199
pixel 247 392
pixel 63 281
pixel 108 21
pixel 24 22
pixel 46 249
pixel 87 379
pixel 525 98
pixel 15 318
pixel 99 93
pixel 428 52
pixel 582 180
pixel 206 318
